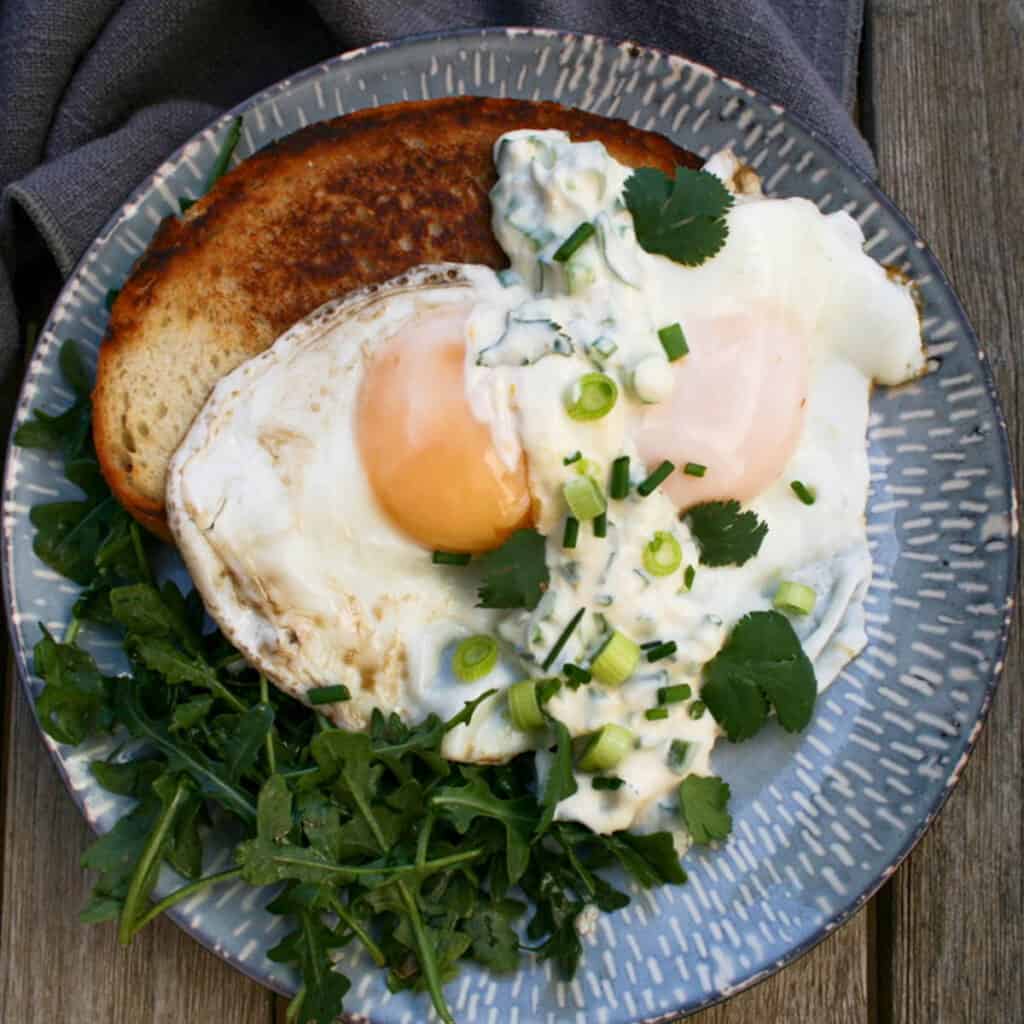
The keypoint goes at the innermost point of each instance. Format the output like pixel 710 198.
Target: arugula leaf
pixel 74 702
pixel 248 736
pixel 761 663
pixel 726 535
pixel 515 575
pixel 127 778
pixel 650 859
pixel 494 942
pixel 561 782
pixel 681 218
pixel 189 714
pixel 68 534
pixel 703 801
pixel 462 804
pixel 146 611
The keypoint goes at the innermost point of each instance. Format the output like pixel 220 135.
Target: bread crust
pixel 337 206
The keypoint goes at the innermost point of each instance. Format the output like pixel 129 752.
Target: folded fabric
pixel 94 93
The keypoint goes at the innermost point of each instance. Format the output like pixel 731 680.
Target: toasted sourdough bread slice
pixel 335 207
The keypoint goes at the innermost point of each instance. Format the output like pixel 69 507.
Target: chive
pixel 656 479
pixel 694 469
pixel 584 497
pixel 677 756
pixel 475 657
pixel 689 576
pixel 662 651
pixel 795 598
pixel 329 695
pixel 450 558
pixel 220 165
pixel 803 492
pixel 576 676
pixel 592 397
pixel 523 708
pixel 601 524
pixel 572 532
pixel 662 554
pixel 673 341
pixel 616 660
pixel 582 234
pixel 620 478
pixel 655 714
pixel 697 709
pixel 570 459
pixel 674 694
pixel 648 644
pixel 608 747
pixel 562 640
pixel 606 782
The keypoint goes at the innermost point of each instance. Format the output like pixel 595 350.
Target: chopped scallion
pixel 582 234
pixel 803 492
pixel 450 558
pixel 655 714
pixel 576 676
pixel 674 694
pixel 795 598
pixel 673 341
pixel 562 640
pixel 572 532
pixel 678 756
pixel 697 709
pixel 655 479
pixel 662 554
pixel 475 657
pixel 664 650
pixel 611 782
pixel 523 708
pixel 584 497
pixel 616 661
pixel 570 459
pixel 329 695
pixel 620 478
pixel 592 397
pixel 689 576
pixel 607 748
pixel 694 469
pixel 601 525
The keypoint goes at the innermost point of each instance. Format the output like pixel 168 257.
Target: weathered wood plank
pixel 827 986
pixel 948 106
pixel 53 969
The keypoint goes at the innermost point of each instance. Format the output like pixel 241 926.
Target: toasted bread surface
pixel 335 207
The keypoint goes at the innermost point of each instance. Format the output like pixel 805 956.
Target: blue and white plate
pixel 821 819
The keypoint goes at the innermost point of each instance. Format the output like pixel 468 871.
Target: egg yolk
pixel 737 408
pixel 431 463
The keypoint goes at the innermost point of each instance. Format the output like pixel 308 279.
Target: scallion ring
pixel 616 661
pixel 584 497
pixel 795 598
pixel 523 707
pixel 607 749
pixel 592 397
pixel 475 657
pixel 662 554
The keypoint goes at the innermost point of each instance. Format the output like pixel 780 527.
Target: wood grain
pixel 948 100
pixel 54 970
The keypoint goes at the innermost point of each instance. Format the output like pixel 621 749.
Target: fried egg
pixel 431 414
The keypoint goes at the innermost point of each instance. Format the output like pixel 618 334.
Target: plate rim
pixel 992 677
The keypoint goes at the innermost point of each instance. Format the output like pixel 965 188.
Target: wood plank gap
pixel 866 112
pixel 880 957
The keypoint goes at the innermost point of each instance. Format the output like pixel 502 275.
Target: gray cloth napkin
pixel 95 93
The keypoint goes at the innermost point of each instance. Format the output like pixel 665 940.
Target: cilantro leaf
pixel 703 801
pixel 761 663
pixel 726 535
pixel 516 574
pixel 684 218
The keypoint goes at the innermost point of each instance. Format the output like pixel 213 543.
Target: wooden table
pixel 942 100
